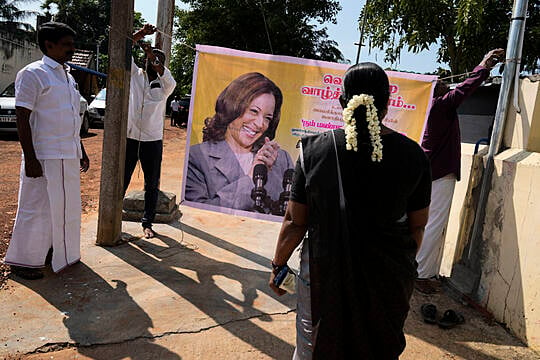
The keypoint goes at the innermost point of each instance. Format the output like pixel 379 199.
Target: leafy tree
pixel 281 27
pixel 12 20
pixel 90 19
pixel 465 29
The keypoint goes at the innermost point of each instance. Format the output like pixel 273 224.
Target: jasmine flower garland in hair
pixel 373 125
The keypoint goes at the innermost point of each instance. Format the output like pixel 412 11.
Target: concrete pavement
pixel 197 291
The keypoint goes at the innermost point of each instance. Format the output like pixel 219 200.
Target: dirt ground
pixel 10 162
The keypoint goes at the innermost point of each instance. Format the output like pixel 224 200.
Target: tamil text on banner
pixel 244 106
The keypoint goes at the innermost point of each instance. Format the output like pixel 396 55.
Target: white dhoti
pixel 48 216
pixel 430 254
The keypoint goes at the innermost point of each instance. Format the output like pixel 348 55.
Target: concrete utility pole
pixel 115 127
pixel 165 18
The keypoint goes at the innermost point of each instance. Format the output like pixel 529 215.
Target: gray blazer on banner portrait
pixel 214 177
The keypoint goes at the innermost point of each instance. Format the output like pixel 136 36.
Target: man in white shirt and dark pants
pixel 175 108
pixel 48 122
pixel 150 88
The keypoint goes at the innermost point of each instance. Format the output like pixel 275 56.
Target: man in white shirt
pixel 150 88
pixel 48 124
pixel 175 107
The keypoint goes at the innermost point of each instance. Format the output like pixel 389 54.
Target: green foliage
pixel 12 20
pixel 293 29
pixel 464 29
pixel 90 19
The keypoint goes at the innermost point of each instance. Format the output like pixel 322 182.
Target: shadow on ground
pixel 159 262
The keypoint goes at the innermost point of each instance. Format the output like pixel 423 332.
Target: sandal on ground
pixel 149 233
pixel 425 286
pixel 27 273
pixel 450 319
pixel 429 313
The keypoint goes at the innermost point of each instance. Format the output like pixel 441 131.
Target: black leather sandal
pixel 429 313
pixel 450 319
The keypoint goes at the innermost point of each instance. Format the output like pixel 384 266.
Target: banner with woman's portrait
pixel 248 112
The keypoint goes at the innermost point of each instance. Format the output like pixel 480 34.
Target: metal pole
pixel 512 49
pixel 115 124
pixel 165 17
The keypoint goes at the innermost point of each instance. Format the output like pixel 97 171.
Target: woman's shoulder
pixel 405 147
pixel 208 148
pixel 209 145
pixel 319 141
pixel 403 141
pixel 284 160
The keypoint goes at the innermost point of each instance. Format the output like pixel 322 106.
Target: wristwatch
pixel 156 62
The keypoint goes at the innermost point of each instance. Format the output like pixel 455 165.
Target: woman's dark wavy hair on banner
pixel 233 102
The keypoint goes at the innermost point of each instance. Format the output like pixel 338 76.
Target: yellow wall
pixel 510 278
pixel 522 129
pixel 510 283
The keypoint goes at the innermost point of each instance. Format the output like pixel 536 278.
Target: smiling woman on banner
pixel 236 139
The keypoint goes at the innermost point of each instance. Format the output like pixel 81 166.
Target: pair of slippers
pixel 449 319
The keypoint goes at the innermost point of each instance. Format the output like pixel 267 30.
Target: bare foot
pixel 149 233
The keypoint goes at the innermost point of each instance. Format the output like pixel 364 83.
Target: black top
pixel 378 193
pixel 362 268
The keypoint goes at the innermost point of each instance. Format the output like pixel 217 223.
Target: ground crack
pixel 51 347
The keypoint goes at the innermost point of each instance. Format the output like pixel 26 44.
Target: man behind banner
pixel 150 88
pixel 48 124
pixel 442 145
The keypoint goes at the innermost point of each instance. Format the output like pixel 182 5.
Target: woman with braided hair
pixel 362 194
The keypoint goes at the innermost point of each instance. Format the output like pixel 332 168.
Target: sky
pixel 345 33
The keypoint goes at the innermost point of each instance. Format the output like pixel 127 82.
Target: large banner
pixel 248 112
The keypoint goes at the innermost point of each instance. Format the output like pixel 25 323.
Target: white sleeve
pixel 134 67
pixel 167 81
pixel 27 89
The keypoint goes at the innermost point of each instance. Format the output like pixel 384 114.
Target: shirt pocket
pixel 56 93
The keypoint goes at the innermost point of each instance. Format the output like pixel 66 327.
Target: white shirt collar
pixel 50 62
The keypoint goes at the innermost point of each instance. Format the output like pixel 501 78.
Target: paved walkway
pixel 197 291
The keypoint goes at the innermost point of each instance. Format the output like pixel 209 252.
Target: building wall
pixel 477 112
pixel 460 211
pixel 523 128
pixel 14 55
pixel 509 284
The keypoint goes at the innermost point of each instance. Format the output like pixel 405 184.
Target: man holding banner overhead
pixel 442 145
pixel 150 88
